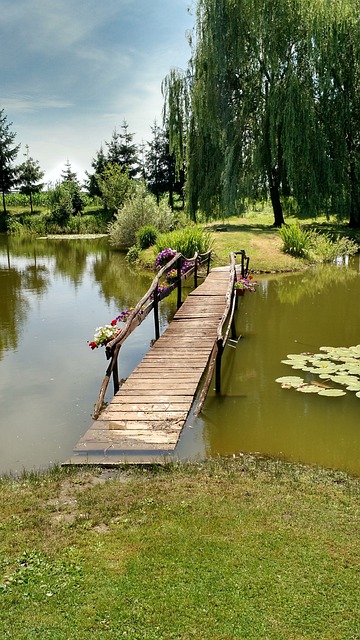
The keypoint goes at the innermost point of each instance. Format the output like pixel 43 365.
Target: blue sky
pixel 73 70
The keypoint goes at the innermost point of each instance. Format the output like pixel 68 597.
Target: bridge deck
pixel 145 418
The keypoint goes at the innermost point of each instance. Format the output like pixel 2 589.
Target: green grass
pixel 230 548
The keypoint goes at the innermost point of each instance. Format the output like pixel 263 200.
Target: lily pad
pixel 332 392
pixel 308 388
pixel 357 394
pixel 293 381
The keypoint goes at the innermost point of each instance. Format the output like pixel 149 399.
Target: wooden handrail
pixel 151 299
pixel 227 320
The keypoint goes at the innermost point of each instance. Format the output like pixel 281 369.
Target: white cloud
pixel 79 67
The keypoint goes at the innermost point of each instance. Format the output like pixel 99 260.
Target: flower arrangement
pixel 163 257
pixel 105 334
pixel 245 284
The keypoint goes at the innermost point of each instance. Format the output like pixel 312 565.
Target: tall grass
pixel 315 246
pixel 296 241
pixel 187 241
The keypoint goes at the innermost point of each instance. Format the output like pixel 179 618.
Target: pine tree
pixel 122 151
pixel 99 164
pixel 30 175
pixel 8 153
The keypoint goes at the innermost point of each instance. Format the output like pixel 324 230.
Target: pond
pixel 55 292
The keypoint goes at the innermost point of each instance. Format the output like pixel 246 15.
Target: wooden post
pixel 196 274
pixel 156 312
pixel 233 328
pixel 115 371
pixel 115 374
pixel 178 269
pixel 218 366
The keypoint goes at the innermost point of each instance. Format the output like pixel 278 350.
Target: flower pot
pixel 240 292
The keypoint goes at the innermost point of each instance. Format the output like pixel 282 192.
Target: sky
pixel 73 70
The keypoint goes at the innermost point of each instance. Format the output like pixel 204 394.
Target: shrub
pixel 133 253
pixel 146 236
pixel 325 248
pixel 318 247
pixel 140 210
pixel 296 240
pixel 187 241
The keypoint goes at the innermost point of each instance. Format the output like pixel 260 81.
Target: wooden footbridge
pixel 144 420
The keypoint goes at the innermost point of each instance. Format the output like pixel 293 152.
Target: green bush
pixel 133 253
pixel 140 210
pixel 315 246
pixel 146 236
pixel 326 248
pixel 296 241
pixel 187 241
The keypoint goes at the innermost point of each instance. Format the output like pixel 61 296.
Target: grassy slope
pixel 237 548
pixel 254 233
pixel 261 241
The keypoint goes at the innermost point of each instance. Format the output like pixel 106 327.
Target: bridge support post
pixel 156 313
pixel 178 268
pixel 220 350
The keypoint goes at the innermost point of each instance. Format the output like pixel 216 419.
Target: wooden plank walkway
pixel 145 418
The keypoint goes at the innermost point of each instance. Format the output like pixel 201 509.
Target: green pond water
pixel 54 293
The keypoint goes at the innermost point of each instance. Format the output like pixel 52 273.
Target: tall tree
pixel 272 94
pixel 30 175
pixel 8 153
pixel 158 167
pixel 98 164
pixel 122 150
pixel 336 43
pixel 70 190
pixel 176 90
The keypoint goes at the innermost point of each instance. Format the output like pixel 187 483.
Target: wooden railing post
pixel 218 366
pixel 156 312
pixel 178 269
pixel 115 372
pixel 196 273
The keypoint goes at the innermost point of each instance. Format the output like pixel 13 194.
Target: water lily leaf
pixel 297 356
pixel 358 394
pixel 332 392
pixel 293 381
pixel 354 370
pixel 308 388
pixel 353 387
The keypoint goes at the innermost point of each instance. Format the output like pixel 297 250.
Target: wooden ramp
pixel 145 418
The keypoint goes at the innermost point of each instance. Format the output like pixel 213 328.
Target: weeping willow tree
pixel 337 78
pixel 260 120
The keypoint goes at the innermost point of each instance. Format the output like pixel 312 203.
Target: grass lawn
pixel 231 548
pixel 254 233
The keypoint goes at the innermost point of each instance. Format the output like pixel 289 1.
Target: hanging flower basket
pixel 245 284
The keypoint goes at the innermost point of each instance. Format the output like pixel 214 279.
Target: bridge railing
pixel 225 326
pixel 149 302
